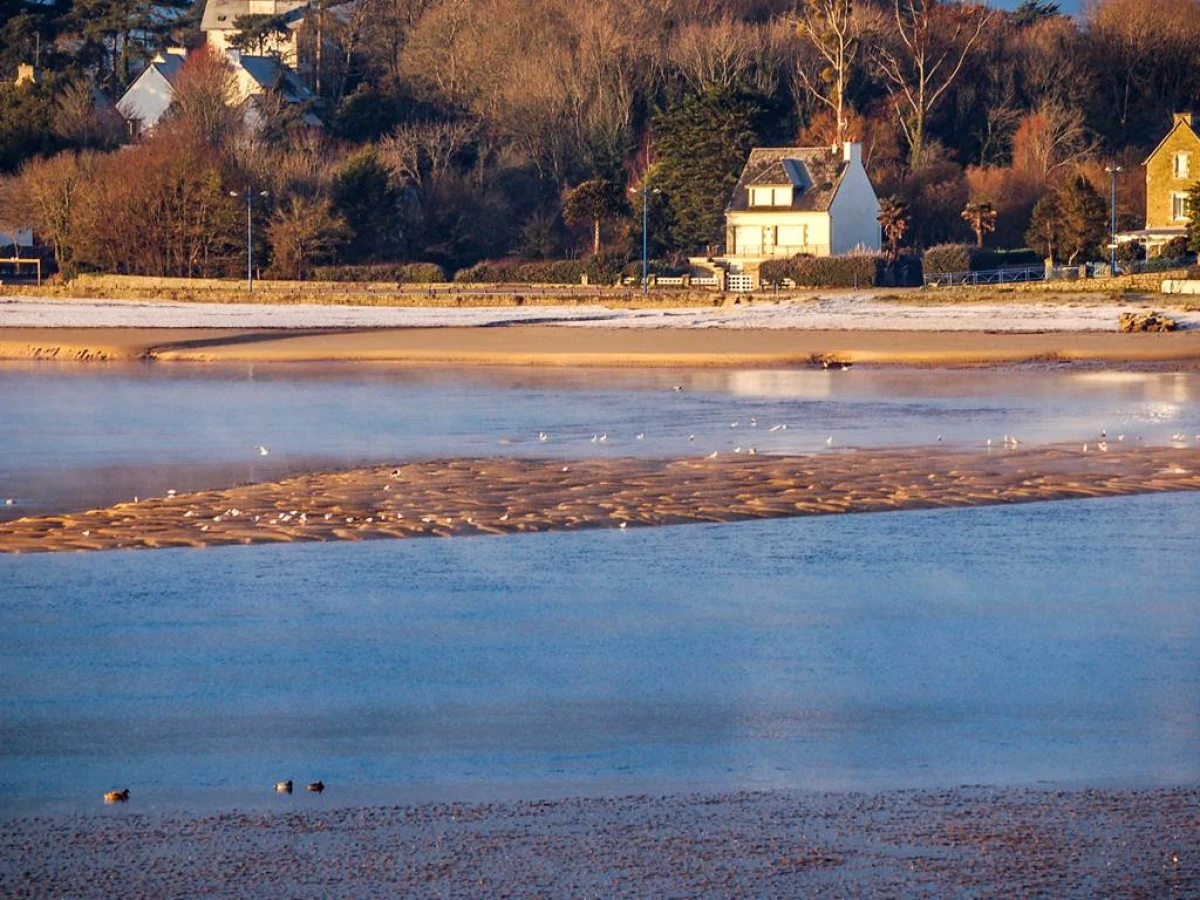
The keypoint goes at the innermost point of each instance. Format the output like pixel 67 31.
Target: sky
pixel 1070 7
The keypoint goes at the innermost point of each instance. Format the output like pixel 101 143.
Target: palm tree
pixel 982 219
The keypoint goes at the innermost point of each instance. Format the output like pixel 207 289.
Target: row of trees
pixel 458 130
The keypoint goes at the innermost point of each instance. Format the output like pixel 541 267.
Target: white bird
pixel 9 501
pixel 623 525
pixel 678 387
pixel 691 438
pixel 603 438
pixel 939 438
pixel 733 424
pixel 641 435
pixel 753 422
pixel 777 427
pixel 595 437
pixel 262 451
pixel 1085 448
pixel 829 440
pixel 565 469
pixel 1103 447
pixel 504 518
pixel 171 492
pixel 752 452
pixel 542 436
pixel 713 455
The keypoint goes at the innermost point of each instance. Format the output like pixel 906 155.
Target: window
pixel 1182 161
pixel 770 196
pixel 1179 206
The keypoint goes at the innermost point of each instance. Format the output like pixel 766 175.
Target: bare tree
pixel 930 44
pixel 831 30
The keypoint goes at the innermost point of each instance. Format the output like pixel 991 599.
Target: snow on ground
pixel 835 313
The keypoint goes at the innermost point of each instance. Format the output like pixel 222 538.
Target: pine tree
pixel 593 201
pixel 1084 216
pixel 1045 226
pixel 701 146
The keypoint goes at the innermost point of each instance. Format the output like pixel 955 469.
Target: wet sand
pixel 963 842
pixel 550 345
pixel 457 497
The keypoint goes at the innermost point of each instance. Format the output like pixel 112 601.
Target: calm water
pixel 77 436
pixel 1042 643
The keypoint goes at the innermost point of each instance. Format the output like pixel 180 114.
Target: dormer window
pixel 1182 164
pixel 771 196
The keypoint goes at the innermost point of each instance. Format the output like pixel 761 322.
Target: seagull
pixel 9 501
pixel 939 438
pixel 542 436
pixel 603 438
pixel 263 451
pixel 733 424
pixel 713 455
pixel 777 428
pixel 753 422
pixel 171 492
pixel 691 438
pixel 117 796
pixel 678 387
pixel 623 525
pixel 283 787
pixel 595 438
pixel 829 441
pixel 641 435
pixel 504 518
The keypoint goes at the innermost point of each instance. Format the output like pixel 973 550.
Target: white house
pixel 217 23
pixel 147 99
pixel 790 200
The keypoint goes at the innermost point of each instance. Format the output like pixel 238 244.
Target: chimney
pixel 1186 118
pixel 852 152
pixel 27 74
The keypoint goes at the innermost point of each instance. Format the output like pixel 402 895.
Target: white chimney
pixel 852 152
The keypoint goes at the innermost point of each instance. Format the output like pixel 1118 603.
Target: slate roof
pixel 813 172
pixel 220 14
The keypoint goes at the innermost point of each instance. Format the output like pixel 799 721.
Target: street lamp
pixel 1112 171
pixel 645 191
pixel 249 233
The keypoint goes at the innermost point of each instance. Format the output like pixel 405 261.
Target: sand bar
pixel 561 345
pixel 963 842
pixel 459 497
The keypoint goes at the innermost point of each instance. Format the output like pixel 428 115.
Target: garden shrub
pixel 856 270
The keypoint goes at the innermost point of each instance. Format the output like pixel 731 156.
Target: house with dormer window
pixel 792 200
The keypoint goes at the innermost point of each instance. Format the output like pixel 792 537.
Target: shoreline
pixel 968 840
pixel 497 495
pixel 559 345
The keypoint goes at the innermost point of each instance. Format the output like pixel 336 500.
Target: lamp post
pixel 249 233
pixel 1112 171
pixel 645 191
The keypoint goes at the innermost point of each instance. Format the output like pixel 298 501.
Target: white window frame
pixel 1179 206
pixel 1182 165
pixel 770 196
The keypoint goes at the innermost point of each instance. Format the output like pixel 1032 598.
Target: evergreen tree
pixel 894 219
pixel 1030 12
pixel 1045 226
pixel 364 197
pixel 593 201
pixel 701 146
pixel 1193 225
pixel 1084 217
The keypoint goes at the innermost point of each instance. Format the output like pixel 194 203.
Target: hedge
pixel 859 270
pixel 401 273
pixel 945 258
pixel 600 269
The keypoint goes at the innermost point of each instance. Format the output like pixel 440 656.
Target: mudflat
pixel 476 496
pixel 967 841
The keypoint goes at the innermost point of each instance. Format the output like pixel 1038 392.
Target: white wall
pixel 147 98
pixel 855 211
pixel 806 232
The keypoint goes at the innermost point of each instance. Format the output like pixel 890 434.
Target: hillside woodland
pixel 461 131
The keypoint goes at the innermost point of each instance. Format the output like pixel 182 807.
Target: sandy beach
pixel 838 328
pixel 969 841
pixel 459 497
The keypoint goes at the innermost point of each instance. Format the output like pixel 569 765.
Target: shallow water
pixel 1046 642
pixel 1039 643
pixel 77 436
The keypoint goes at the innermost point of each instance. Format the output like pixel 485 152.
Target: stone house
pixel 790 200
pixel 1171 170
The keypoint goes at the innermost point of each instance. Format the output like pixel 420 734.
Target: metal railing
pixel 1016 275
pixel 780 251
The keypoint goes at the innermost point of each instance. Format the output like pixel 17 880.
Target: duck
pixel 117 796
pixel 283 787
pixel 315 787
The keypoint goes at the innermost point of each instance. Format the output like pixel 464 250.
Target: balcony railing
pixel 779 251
